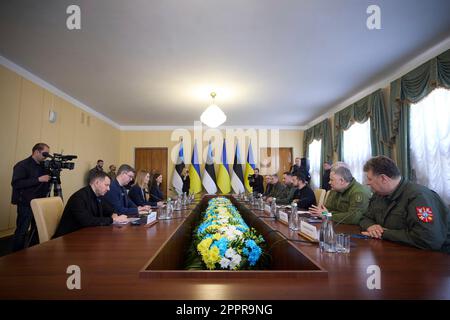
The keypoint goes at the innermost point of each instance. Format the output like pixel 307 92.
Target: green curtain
pixel 370 107
pixel 409 89
pixel 320 131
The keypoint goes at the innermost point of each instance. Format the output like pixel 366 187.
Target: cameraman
pixel 256 182
pixel 29 181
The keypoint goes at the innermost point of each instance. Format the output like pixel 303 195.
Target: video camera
pixel 58 162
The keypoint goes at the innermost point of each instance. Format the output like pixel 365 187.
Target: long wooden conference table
pixel 111 258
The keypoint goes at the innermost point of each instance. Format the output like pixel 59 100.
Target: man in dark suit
pixel 117 196
pixel 97 168
pixel 256 182
pixel 326 175
pixel 85 207
pixel 295 169
pixel 29 181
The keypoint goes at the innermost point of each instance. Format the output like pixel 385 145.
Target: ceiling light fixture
pixel 213 116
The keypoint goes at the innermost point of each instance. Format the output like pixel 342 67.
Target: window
pixel 314 150
pixel 430 142
pixel 357 149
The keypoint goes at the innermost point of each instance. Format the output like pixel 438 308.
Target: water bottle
pixel 169 207
pixel 184 199
pixel 261 202
pixel 329 236
pixel 323 227
pixel 273 208
pixel 293 224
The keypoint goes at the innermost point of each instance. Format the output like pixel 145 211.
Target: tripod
pixel 55 184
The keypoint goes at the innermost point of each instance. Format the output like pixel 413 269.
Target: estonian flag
pixel 209 175
pixel 223 177
pixel 249 168
pixel 237 177
pixel 177 182
pixel 194 172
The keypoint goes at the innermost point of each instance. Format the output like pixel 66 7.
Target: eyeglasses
pixel 131 176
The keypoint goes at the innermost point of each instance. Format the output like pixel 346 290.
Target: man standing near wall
pixel 29 181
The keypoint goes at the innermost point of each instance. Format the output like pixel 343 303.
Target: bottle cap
pixel 324 213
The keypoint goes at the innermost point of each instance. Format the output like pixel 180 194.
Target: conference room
pixel 225 150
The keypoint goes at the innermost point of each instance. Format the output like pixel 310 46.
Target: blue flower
pixel 222 244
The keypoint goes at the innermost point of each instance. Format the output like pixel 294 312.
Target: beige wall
pixel 25 107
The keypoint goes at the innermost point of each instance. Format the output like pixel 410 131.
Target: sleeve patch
pixel 425 214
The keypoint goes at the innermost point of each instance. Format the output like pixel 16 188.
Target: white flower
pixel 235 261
pixel 230 253
pixel 224 263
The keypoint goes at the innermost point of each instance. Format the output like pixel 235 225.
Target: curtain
pixel 357 135
pixel 321 131
pixel 409 89
pixel 314 155
pixel 430 142
pixel 370 107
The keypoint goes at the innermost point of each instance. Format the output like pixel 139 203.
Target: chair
pixel 326 197
pixel 320 196
pixel 47 213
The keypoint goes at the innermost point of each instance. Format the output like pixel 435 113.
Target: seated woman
pixel 139 191
pixel 155 188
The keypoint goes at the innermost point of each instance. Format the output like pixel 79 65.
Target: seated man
pixel 303 196
pixel 291 188
pixel 348 199
pixel 117 196
pixel 277 189
pixel 403 211
pixel 268 179
pixel 86 209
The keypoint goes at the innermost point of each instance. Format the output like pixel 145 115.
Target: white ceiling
pixel 272 62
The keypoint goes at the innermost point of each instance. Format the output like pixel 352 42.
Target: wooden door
pixel 152 160
pixel 275 160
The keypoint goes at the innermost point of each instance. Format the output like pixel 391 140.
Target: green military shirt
pixel 349 205
pixel 277 190
pixel 288 195
pixel 412 214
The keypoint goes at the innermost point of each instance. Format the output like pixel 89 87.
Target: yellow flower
pixel 217 236
pixel 211 258
pixel 204 245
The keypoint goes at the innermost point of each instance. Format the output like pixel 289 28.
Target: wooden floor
pixel 111 257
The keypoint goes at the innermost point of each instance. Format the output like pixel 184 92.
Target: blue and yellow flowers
pixel 224 241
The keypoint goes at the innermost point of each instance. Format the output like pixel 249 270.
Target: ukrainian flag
pixel 194 172
pixel 223 178
pixel 249 168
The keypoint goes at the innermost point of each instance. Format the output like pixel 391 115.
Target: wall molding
pixel 426 55
pixel 39 81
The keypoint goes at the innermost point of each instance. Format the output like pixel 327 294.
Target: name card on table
pixel 308 231
pixel 284 218
pixel 151 219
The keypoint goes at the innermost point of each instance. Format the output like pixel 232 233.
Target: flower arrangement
pixel 224 241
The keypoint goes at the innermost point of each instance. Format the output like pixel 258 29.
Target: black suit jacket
pixel 156 193
pixel 25 183
pixel 305 197
pixel 84 209
pixel 136 194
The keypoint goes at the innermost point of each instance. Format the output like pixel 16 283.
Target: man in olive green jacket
pixel 347 200
pixel 402 211
pixel 278 189
pixel 291 187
